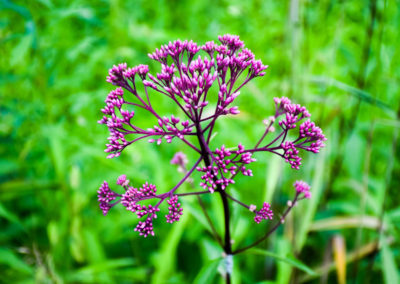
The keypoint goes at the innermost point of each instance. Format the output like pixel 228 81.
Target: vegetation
pixel 339 58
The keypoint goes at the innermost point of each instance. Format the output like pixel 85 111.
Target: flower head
pixel 264 213
pixel 122 180
pixel 310 137
pixel 105 196
pixel 175 211
pixel 303 188
pixel 131 198
pixel 146 228
pixel 181 160
pixel 187 83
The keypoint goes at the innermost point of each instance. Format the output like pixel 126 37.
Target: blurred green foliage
pixel 339 58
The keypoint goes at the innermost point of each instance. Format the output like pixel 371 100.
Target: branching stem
pixel 273 229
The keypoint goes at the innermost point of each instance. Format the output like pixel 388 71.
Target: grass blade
pixel 207 273
pixel 390 270
pixel 288 259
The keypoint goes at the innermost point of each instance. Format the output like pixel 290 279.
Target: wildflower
pixel 187 75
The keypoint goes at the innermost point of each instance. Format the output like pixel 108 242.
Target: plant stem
pixel 228 244
pixel 205 152
pixel 237 201
pixel 203 208
pixel 273 229
pixel 193 193
pixel 214 231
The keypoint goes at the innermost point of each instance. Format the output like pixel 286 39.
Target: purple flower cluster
pixel 122 180
pixel 303 189
pixel 131 199
pixel 188 73
pixel 146 228
pixel 309 137
pixel 224 163
pixel 133 195
pixel 167 128
pixel 264 213
pixel 185 82
pixel 105 196
pixel 180 160
pixel 175 210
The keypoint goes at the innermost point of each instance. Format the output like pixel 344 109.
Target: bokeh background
pixel 339 58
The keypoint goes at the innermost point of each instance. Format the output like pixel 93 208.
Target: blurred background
pixel 339 58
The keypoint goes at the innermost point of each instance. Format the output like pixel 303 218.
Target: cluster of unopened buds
pixel 188 71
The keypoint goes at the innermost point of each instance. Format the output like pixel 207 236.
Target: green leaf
pixel 108 265
pixel 274 171
pixel 10 259
pixel 390 270
pixel 196 213
pixel 284 270
pixel 8 166
pixel 288 259
pixel 93 273
pixel 361 94
pixel 208 272
pixel 309 207
pixel 165 260
pixel 57 149
pixel 5 213
pixel 21 49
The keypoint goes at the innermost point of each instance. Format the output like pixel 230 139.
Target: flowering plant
pixel 186 78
